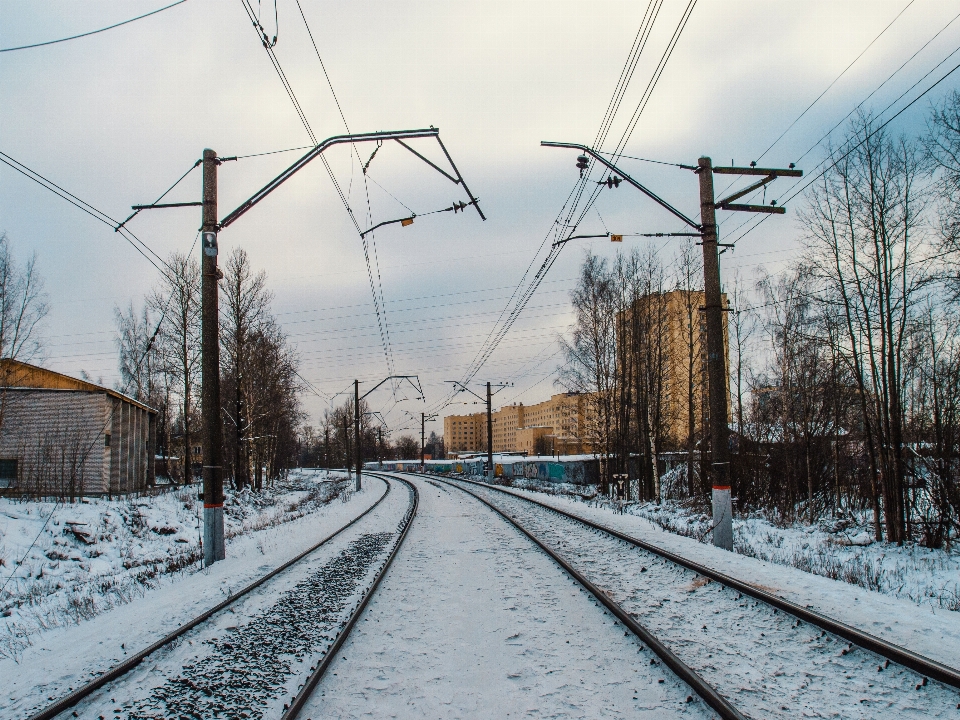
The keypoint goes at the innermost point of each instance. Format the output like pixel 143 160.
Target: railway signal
pixel 706 229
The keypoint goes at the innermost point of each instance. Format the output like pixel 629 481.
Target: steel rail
pixel 300 700
pixel 700 686
pixel 67 702
pixel 893 652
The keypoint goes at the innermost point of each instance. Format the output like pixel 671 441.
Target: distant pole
pixel 423 424
pixel 716 363
pixel 356 429
pixel 380 447
pixel 213 544
pixel 489 435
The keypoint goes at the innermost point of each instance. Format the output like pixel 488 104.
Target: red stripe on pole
pixel 212 505
pixel 721 487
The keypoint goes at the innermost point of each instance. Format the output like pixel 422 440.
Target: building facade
pixel 676 319
pixel 65 437
pixel 557 426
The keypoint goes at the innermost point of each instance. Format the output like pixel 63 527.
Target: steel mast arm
pixel 649 193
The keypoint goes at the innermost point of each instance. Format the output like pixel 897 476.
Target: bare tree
pixel 864 223
pixel 177 299
pixel 591 355
pixel 23 307
pixel 245 302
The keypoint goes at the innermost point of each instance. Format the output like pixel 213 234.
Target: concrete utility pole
pixel 706 229
pixel 716 364
pixel 460 387
pixel 423 438
pixel 489 434
pixel 213 544
pixel 356 429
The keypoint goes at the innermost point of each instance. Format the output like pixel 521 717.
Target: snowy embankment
pixel 63 563
pixel 837 547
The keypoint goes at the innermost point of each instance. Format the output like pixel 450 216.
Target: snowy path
pixel 67 657
pixel 473 620
pixel 764 661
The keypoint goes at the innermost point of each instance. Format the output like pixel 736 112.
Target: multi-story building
pixel 556 426
pixel 676 318
pixel 465 433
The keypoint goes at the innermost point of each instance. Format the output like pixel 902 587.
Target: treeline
pixel 844 368
pixel 159 347
pixel 332 444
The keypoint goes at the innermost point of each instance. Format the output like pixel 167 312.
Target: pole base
pixel 214 547
pixel 357 486
pixel 722 518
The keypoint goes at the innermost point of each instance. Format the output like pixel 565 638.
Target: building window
pixel 106 440
pixel 8 473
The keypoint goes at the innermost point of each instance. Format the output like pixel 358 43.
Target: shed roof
pixel 20 375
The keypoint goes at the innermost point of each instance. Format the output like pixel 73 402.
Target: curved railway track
pixel 827 656
pixel 119 671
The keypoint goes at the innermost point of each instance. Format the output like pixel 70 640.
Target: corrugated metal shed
pixel 62 436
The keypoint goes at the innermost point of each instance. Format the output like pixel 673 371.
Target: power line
pixel 93 32
pixel 140 246
pixel 835 80
pixel 862 141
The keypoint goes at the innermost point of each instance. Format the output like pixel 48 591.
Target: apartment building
pixel 465 433
pixel 555 426
pixel 672 327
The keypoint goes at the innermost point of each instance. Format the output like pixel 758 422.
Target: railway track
pixel 762 655
pixel 234 675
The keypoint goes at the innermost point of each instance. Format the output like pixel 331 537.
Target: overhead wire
pixel 843 154
pixel 139 245
pixel 291 94
pixel 93 32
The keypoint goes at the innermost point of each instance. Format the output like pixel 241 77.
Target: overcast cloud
pixel 118 116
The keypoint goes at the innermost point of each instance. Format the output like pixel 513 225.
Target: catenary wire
pixel 94 32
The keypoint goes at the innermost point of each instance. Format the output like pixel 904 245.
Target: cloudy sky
pixel 116 117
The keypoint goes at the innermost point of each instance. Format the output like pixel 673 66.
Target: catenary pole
pixel 213 544
pixel 489 435
pixel 719 472
pixel 423 425
pixel 356 429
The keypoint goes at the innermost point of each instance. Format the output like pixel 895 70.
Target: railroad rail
pixel 69 701
pixel 890 651
pixel 298 702
pixel 705 690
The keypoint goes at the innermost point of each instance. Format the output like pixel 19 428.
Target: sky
pixel 117 117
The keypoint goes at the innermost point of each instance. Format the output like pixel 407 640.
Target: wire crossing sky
pixel 113 118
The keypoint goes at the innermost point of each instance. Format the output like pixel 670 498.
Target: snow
pixel 473 620
pixel 63 654
pixel 923 628
pixel 764 661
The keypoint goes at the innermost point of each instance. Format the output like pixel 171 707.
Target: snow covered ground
pixel 923 628
pixel 765 662
pixel 474 621
pixel 837 547
pixel 55 652
pixel 64 563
